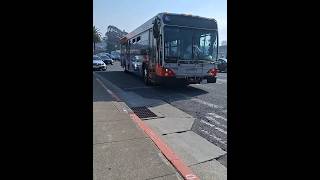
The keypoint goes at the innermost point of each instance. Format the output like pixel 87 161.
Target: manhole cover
pixel 143 112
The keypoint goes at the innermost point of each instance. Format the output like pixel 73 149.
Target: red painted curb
pixel 183 169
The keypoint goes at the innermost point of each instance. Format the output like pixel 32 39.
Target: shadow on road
pixel 129 82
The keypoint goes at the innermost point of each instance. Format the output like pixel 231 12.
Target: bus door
pixel 187 65
pixel 127 58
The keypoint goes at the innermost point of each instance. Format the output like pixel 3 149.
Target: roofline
pixel 183 14
pixel 128 36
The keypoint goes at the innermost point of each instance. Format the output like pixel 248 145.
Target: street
pixel 207 103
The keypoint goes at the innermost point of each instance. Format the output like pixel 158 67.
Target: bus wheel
pixel 146 77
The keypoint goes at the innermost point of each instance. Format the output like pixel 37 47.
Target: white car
pixel 98 64
pixel 136 62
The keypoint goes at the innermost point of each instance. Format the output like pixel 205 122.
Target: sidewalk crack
pixel 175 132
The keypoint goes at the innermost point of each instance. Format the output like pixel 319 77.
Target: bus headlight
pixel 213 72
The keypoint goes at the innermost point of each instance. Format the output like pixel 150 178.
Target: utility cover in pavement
pixel 143 112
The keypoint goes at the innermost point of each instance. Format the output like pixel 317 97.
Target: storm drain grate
pixel 143 112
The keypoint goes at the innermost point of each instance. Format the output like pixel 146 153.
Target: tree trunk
pixel 94 47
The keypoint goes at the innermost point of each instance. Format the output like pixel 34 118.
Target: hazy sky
pixel 129 14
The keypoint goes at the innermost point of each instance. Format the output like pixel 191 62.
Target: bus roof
pixel 147 25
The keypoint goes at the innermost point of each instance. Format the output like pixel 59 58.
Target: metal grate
pixel 143 112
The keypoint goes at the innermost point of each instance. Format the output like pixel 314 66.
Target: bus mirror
pixel 156 28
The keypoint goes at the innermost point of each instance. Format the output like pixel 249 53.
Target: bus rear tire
pixel 212 80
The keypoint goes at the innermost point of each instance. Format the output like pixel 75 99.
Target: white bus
pixel 172 47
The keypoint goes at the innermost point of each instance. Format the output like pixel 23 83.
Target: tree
pixel 96 37
pixel 114 35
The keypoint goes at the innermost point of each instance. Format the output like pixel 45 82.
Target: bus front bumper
pixel 185 79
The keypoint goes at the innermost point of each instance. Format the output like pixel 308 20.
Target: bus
pixel 172 48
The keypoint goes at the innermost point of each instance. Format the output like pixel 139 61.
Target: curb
pixel 179 165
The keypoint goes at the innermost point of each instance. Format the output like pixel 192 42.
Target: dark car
pixel 222 64
pixel 115 55
pixel 106 58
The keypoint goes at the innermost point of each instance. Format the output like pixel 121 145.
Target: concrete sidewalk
pixel 173 126
pixel 121 150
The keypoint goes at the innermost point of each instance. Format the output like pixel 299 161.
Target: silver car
pixel 98 64
pixel 136 62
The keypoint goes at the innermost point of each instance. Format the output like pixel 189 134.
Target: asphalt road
pixel 206 102
pixel 99 93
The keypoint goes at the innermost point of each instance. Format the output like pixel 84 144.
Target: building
pixel 222 51
pixel 113 36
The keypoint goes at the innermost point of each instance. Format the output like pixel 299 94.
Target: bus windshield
pixel 189 44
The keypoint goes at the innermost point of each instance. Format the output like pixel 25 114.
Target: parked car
pixel 136 62
pixel 116 55
pixel 222 64
pixel 111 56
pixel 106 58
pixel 98 64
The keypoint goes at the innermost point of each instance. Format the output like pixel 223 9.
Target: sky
pixel 129 14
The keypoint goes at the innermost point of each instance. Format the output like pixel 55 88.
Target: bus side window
pixel 160 51
pixel 154 50
pixel 152 47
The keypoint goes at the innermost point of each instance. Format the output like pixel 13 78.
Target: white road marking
pixel 215 121
pixel 217 116
pixel 108 90
pixel 207 103
pixel 101 83
pixel 214 126
pixel 214 137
